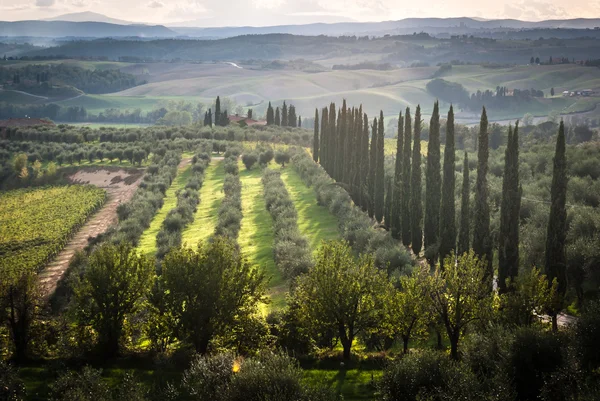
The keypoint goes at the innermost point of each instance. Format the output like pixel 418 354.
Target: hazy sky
pixel 272 12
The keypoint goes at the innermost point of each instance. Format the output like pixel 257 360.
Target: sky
pixel 276 12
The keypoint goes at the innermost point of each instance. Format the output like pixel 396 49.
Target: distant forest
pixel 90 81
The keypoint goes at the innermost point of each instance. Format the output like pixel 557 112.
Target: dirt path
pixel 120 185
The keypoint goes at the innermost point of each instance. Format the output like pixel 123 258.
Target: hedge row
pixel 291 250
pixel 354 225
pixel 135 216
pixel 177 219
pixel 230 211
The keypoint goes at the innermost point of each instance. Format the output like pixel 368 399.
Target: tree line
pixel 284 118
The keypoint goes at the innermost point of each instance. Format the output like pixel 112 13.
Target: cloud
pixel 44 3
pixel 79 3
pixel 156 4
pixel 533 10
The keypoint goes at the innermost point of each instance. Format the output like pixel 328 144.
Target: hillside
pixel 55 29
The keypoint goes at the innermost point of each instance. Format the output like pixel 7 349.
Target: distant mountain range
pixel 57 29
pixel 89 16
pixel 90 24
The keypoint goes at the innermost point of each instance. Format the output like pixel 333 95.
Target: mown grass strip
pixel 314 221
pixel 206 216
pixel 147 244
pixel 256 236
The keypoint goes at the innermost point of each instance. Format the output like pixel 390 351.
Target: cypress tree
pixel 270 115
pixel 357 157
pixel 341 143
pixel 365 165
pixel 396 215
pixel 347 168
pixel 284 115
pixel 510 207
pixel 291 118
pixel 332 137
pixel 465 218
pixel 481 212
pixel 416 206
pixel 556 260
pixel 380 172
pixel 324 138
pixel 316 142
pixel 217 116
pixel 210 118
pixel 448 207
pixel 299 121
pixel 406 174
pixel 389 194
pixel 372 168
pixel 277 117
pixel 433 182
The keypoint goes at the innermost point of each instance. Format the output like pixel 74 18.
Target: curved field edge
pixel 256 236
pixel 37 223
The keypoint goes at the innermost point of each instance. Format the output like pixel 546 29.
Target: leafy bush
pixel 12 387
pixel 230 211
pixel 249 160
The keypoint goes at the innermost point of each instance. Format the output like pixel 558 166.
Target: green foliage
pixel 448 201
pixel 397 190
pixel 587 332
pixel 428 375
pixel 354 225
pixel 406 175
pixel 290 249
pixel 342 292
pixel 433 183
pixel 249 160
pixel 113 287
pixel 230 211
pixel 86 385
pixel 210 290
pixel 12 387
pixel 416 205
pixel 460 295
pixel 508 249
pixel 36 223
pixel 482 241
pixel 282 158
pixel 555 265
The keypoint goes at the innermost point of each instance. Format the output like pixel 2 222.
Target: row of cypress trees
pixel 343 148
pixel 284 118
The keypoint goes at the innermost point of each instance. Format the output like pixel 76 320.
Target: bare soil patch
pixel 120 185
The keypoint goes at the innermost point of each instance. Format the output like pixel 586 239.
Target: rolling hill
pixel 55 29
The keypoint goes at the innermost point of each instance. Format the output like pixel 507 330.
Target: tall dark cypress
pixel 356 157
pixel 556 259
pixel 270 115
pixel 341 143
pixel 482 244
pixel 217 115
pixel 331 147
pixel 277 117
pixel 389 199
pixel 510 208
pixel 365 165
pixel 464 235
pixel 416 205
pixel 396 216
pixel 347 168
pixel 448 206
pixel 380 172
pixel 433 182
pixel 406 237
pixel 323 138
pixel 316 142
pixel 373 167
pixel 284 115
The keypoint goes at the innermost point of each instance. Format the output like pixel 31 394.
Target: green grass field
pixel 353 384
pixel 206 216
pixel 256 235
pixel 147 244
pixel 314 221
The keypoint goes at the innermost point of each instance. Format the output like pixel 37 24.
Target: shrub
pixel 12 387
pixel 249 160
